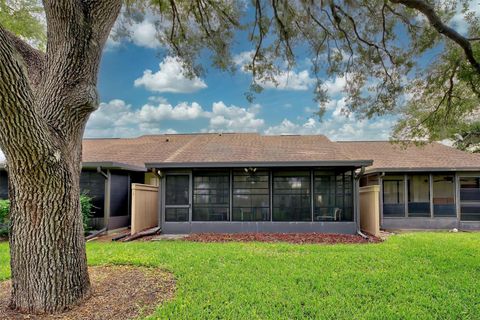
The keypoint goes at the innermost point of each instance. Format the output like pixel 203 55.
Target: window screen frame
pixel 455 197
pixel 409 178
pixel 340 194
pixel 187 206
pixel 400 186
pixel 228 196
pixel 304 173
pixel 266 192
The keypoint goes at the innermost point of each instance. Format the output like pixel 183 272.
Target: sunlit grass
pixel 410 276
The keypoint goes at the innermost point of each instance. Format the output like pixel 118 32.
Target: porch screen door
pixel 177 197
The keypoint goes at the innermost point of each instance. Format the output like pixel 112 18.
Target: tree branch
pixel 283 29
pixel 13 73
pixel 429 11
pixel 21 129
pixel 77 32
pixel 34 59
pixel 261 34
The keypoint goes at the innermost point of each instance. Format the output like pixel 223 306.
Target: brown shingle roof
pixel 386 155
pixel 213 148
pixel 183 149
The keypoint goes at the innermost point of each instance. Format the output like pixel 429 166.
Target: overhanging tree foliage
pixel 400 57
pixel 46 97
pixel 468 137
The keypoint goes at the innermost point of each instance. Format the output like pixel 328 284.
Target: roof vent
pixel 168 139
pixel 220 134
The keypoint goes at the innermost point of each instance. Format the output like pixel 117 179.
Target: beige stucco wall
pixel 370 209
pixel 144 207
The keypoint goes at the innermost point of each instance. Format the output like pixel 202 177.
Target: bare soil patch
pixel 299 238
pixel 118 292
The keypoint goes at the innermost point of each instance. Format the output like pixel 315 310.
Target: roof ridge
pixel 198 134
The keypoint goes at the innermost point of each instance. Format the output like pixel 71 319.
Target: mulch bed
pixel 119 292
pixel 321 238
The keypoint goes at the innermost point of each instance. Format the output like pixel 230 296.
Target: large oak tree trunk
pixel 47 244
pixel 45 102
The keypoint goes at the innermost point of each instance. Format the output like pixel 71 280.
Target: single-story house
pixel 244 182
pixel 247 182
pixel 429 187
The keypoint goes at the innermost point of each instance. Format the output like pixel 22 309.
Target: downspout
pixel 99 170
pixel 357 201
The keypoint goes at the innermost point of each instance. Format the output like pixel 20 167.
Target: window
pixel 470 198
pixel 333 196
pixel 211 196
pixel 291 196
pixel 177 202
pixel 393 196
pixel 177 187
pixel 251 196
pixel 418 196
pixel 444 196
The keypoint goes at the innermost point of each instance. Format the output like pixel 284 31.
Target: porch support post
pixel 457 199
pixel 380 182
pixel 106 211
pixel 312 192
pixel 161 201
pixel 190 197
pixel 270 183
pixel 356 199
pixel 231 196
pixel 405 194
pixel 430 184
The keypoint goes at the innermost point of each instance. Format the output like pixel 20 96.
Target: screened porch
pixel 246 196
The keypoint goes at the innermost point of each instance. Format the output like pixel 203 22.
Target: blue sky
pixel 143 91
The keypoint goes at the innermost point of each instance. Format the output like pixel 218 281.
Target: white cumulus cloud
pixel 142 33
pixel 182 111
pixel 234 119
pixel 335 86
pixel 337 128
pixel 170 78
pixel 285 80
pixel 290 80
pixel 119 119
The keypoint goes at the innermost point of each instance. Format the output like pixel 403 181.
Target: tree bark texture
pixel 45 102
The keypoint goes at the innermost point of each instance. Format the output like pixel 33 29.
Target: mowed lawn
pixel 410 276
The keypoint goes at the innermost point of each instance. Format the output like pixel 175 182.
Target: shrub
pixel 4 210
pixel 85 203
pixel 86 207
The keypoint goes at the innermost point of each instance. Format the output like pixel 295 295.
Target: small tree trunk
pixel 47 244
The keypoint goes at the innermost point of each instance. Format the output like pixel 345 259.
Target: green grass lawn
pixel 410 276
